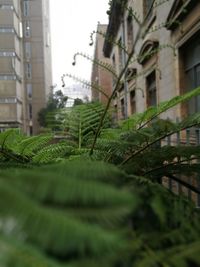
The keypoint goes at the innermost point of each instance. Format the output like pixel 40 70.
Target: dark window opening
pixel 114 66
pixel 151 89
pixel 115 114
pixel 129 33
pixel 132 102
pixel 30 111
pixel 122 108
pixel 120 54
pixel 191 55
pixel 30 130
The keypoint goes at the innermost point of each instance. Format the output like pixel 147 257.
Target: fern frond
pixel 83 122
pixel 142 119
pixel 30 145
pixel 16 254
pixel 52 153
pixel 183 255
pixel 96 61
pixel 51 231
pixel 172 128
pixel 9 137
pixel 68 187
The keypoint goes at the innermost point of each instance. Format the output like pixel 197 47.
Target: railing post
pixel 188 137
pixel 178 142
pixel 198 175
pixel 169 179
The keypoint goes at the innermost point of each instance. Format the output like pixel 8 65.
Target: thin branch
pixel 189 186
pixel 169 164
pixel 116 88
pixel 155 141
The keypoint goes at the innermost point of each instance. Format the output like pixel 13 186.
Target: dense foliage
pixel 47 116
pixel 82 211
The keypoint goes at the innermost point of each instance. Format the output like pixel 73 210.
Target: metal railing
pixel 184 184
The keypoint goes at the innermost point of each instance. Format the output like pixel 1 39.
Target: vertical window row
pixel 129 33
pixel 26 8
pixel 30 111
pixel 28 70
pixel 120 54
pixel 27 48
pixel 29 90
pixel 27 29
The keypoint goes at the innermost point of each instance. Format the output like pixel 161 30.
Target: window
pixel 179 11
pixel 20 29
pixel 28 71
pixel 30 111
pixel 120 54
pixel 26 8
pixel 147 5
pixel 115 113
pixel 191 56
pixel 8 77
pixel 29 90
pixel 122 108
pixel 148 50
pixel 30 130
pixel 129 33
pixel 132 102
pixel 151 89
pixel 8 100
pixel 114 61
pixel 7 54
pixel 27 50
pixel 6 7
pixel 48 40
pixel 114 66
pixel 7 30
pixel 27 29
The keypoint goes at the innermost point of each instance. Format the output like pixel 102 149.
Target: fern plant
pixel 82 122
pixel 90 213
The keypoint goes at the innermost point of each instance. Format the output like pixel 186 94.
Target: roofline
pixel 116 12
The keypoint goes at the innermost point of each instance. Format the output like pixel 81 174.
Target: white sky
pixel 72 21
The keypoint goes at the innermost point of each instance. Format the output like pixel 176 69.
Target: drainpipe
pixel 124 60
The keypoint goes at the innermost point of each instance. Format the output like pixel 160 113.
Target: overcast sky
pixel 72 21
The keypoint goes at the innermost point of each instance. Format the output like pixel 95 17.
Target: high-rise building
pixel 25 62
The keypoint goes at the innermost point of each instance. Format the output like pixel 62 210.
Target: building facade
pixel 163 38
pixel 25 62
pixel 100 76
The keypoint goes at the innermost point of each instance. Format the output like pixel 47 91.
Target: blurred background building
pixel 25 62
pixel 76 91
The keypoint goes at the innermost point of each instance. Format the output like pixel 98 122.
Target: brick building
pixel 100 76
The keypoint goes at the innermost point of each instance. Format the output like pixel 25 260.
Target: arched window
pixel 148 49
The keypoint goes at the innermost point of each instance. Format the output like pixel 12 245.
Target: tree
pixel 56 102
pixel 78 101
